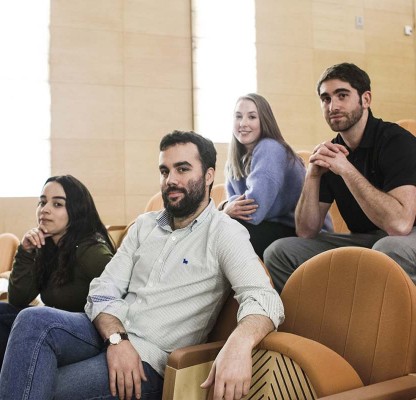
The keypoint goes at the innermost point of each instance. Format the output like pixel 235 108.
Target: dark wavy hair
pixel 55 263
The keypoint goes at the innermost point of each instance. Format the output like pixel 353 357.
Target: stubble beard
pixel 350 119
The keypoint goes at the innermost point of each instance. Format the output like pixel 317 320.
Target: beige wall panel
pixel 392 79
pixel 222 149
pixel 86 56
pixel 385 34
pixel 284 22
pixel 142 167
pixel 336 16
pixel 390 46
pixel 171 18
pixel 392 111
pixel 135 205
pixel 112 209
pixel 284 69
pixel 334 27
pixel 90 14
pixel 400 6
pixel 17 214
pixel 87 111
pixel 99 164
pixel 295 116
pixel 157 61
pixel 150 113
pixel 348 3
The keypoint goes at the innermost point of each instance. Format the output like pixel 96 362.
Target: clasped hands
pixel 329 156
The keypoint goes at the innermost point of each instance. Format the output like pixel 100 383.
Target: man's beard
pixel 345 124
pixel 194 194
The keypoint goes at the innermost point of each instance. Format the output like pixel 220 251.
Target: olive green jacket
pixel 91 260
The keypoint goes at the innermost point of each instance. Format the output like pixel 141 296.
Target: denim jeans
pixel 8 314
pixel 55 354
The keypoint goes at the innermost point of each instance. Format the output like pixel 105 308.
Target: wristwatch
pixel 116 338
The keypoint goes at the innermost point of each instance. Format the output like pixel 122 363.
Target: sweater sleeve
pixel 264 183
pixel 22 282
pixel 230 190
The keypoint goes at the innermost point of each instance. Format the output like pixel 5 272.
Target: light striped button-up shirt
pixel 167 286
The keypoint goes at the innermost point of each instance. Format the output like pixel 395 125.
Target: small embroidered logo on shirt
pixel 185 261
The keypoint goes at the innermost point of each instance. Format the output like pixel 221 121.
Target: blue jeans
pixel 55 354
pixel 8 314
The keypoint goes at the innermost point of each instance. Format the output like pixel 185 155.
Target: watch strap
pixel 123 336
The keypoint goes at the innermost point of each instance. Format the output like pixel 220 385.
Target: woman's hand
pixel 241 208
pixel 35 238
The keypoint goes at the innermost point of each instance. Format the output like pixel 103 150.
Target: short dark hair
pixel 206 149
pixel 347 72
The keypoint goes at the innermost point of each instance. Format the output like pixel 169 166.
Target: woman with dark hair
pixel 264 176
pixel 58 258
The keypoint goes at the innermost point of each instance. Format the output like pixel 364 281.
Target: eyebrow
pixel 55 197
pixel 339 90
pixel 176 165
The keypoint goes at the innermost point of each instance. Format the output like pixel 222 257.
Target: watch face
pixel 115 338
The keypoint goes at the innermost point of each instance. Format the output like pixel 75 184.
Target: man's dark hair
pixel 347 72
pixel 206 149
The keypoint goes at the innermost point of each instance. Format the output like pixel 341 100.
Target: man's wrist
pixel 116 338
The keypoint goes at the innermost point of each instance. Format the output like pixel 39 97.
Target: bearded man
pixel 369 169
pixel 162 290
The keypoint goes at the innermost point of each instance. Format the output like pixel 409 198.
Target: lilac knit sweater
pixel 275 183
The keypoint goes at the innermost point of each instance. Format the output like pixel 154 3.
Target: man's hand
pixel 328 156
pixel 125 370
pixel 241 208
pixel 231 373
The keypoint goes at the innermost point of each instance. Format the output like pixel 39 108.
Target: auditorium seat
pixel 349 333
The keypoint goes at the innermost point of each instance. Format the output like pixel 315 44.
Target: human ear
pixel 209 176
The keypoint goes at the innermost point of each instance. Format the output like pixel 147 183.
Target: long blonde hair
pixel 239 159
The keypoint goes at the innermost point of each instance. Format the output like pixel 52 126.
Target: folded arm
pixel 393 212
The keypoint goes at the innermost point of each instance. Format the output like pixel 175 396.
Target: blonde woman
pixel 264 176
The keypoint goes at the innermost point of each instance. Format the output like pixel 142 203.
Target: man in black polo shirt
pixel 369 169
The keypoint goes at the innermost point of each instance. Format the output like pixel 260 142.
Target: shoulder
pixel 93 247
pixel 267 149
pixel 222 225
pixel 385 132
pixel 266 144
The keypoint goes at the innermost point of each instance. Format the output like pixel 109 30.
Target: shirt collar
pixel 163 218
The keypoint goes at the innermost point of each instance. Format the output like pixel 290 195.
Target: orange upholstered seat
pixel 349 333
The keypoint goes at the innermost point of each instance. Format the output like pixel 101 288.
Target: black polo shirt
pixel 386 156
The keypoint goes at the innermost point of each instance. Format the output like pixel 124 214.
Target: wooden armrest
pixel 111 228
pixel 193 355
pixel 328 372
pixel 187 368
pixel 403 388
